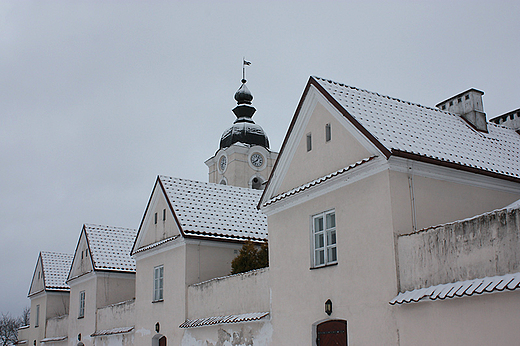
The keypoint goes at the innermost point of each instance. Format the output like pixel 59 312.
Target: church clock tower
pixel 244 158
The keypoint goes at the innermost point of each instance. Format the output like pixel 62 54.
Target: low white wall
pixel 486 245
pixel 57 326
pixel 230 295
pixel 116 316
pixel 240 334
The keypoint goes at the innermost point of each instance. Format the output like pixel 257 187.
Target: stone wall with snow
pixel 485 245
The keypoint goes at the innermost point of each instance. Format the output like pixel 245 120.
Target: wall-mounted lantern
pixel 157 327
pixel 328 307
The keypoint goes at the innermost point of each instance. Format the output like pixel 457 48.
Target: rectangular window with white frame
pixel 324 239
pixel 81 313
pixel 158 277
pixel 37 322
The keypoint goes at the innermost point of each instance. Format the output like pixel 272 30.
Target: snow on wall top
pixel 492 284
pixel 216 211
pixel 429 132
pixel 56 268
pixel 110 247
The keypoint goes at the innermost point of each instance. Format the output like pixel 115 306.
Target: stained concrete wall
pixel 116 316
pixel 486 245
pixel 57 326
pixel 231 295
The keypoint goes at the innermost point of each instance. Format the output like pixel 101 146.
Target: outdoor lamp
pixel 328 307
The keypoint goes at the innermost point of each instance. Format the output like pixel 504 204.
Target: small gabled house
pixel 190 233
pixel 358 171
pixel 49 294
pixel 102 274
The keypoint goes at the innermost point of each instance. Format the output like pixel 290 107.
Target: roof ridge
pixel 385 96
pixel 92 225
pixel 220 186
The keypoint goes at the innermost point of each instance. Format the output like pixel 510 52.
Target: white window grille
pixel 158 277
pixel 324 242
pixel 81 304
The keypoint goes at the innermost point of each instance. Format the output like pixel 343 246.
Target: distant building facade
pixel 390 223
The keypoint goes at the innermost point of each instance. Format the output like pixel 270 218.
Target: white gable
pixel 296 166
pixel 82 262
pixel 51 272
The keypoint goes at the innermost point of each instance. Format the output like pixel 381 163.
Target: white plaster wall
pixel 87 324
pixel 236 294
pixel 152 232
pixel 490 319
pixel 241 334
pixel 486 245
pixel 169 313
pixel 209 259
pixel 57 304
pixel 116 316
pixel 440 201
pixel 325 157
pixel 33 332
pixel 362 282
pixel 114 288
pixel 57 326
pixel 126 339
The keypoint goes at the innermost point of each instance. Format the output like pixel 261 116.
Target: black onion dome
pixel 244 129
pixel 243 95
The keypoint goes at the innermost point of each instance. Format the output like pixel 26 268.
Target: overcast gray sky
pixel 99 97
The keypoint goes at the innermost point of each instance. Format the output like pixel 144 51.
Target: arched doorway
pixel 331 333
pixel 159 340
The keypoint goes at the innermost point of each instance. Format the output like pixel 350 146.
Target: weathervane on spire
pixel 245 63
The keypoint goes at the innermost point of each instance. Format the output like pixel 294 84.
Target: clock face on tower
pixel 257 160
pixel 222 163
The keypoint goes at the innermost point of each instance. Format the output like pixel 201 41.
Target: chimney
pixel 510 119
pixel 469 106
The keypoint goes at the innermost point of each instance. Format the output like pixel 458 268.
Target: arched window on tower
pixel 257 183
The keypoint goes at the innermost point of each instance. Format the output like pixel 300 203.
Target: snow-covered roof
pixel 215 211
pixel 55 268
pixel 54 339
pixel 400 127
pixel 114 331
pixel 110 247
pixel 208 321
pixel 460 288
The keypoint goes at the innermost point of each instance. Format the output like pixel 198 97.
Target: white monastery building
pixel 388 223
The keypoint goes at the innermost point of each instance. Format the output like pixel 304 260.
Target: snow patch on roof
pixel 56 268
pixel 110 247
pixel 216 211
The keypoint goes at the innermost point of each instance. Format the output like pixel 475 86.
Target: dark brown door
pixel 162 341
pixel 332 333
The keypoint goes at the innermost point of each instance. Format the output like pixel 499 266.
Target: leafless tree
pixel 26 314
pixel 8 329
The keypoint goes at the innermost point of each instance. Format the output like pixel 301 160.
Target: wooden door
pixel 162 341
pixel 332 333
